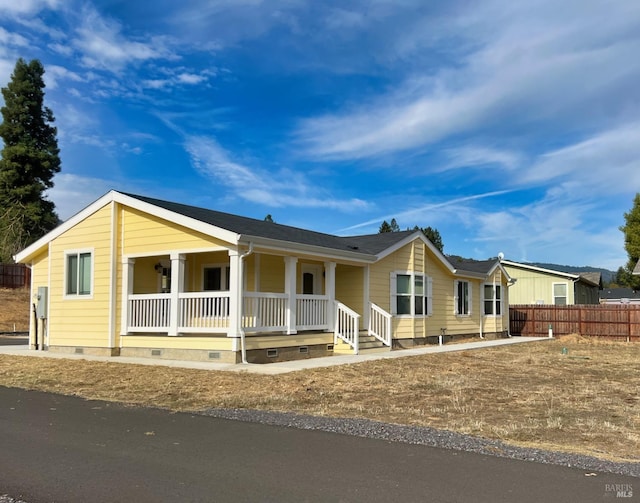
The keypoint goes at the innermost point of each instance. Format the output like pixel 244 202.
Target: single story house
pixel 136 276
pixel 536 285
pixel 619 296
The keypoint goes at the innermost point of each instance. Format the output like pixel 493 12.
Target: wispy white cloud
pixel 55 73
pixel 73 192
pixel 103 45
pixel 530 65
pixel 275 189
pixel 470 155
pixel 424 212
pixel 12 39
pixel 25 7
pixel 605 163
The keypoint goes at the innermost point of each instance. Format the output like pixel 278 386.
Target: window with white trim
pixel 462 298
pixel 411 294
pixel 492 299
pixel 78 273
pixel 560 294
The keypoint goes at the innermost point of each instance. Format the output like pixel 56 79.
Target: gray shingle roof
pixel 619 293
pixel 367 244
pixel 591 277
pixel 470 265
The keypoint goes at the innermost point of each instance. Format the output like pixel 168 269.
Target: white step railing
pixel 347 326
pixel 149 312
pixel 380 324
pixel 203 312
pixel 264 312
pixel 312 312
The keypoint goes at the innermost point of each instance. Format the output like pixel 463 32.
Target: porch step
pixel 367 344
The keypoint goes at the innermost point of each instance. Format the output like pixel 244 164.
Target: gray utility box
pixel 41 306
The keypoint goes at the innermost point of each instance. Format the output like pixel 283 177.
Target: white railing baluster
pixel 347 326
pixel 380 324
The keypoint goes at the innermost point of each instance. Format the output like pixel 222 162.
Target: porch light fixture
pixel 158 267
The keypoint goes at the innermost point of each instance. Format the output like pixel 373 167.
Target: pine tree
pixel 385 227
pixel 434 236
pixel 30 159
pixel 631 231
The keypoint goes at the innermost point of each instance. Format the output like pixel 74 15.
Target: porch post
pixel 290 278
pixel 366 309
pixel 127 289
pixel 330 291
pixel 177 285
pixel 235 294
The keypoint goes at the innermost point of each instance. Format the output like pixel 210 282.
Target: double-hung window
pixel 462 298
pixel 79 273
pixel 560 294
pixel 411 294
pixel 492 300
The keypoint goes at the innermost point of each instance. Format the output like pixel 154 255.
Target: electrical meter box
pixel 41 306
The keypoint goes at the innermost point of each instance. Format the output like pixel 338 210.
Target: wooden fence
pixel 14 276
pixel 620 322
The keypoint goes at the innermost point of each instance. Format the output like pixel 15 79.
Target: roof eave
pixel 318 251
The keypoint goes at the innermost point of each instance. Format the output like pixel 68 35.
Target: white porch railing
pixel 149 312
pixel 203 312
pixel 264 312
pixel 312 312
pixel 209 312
pixel 347 326
pixel 380 324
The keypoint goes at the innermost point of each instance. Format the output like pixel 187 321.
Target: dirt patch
pixel 561 395
pixel 14 310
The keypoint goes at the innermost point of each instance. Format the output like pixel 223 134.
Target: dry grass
pixel 585 401
pixel 14 309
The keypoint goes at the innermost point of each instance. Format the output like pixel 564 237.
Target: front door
pixel 311 279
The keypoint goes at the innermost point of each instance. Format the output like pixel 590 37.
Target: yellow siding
pixel 39 277
pixel 145 277
pixel 146 234
pixel 271 274
pixel 82 321
pixel 350 287
pixel 533 287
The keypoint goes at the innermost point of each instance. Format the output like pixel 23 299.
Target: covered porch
pixel 226 293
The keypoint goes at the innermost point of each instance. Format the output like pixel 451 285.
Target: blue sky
pixel 509 126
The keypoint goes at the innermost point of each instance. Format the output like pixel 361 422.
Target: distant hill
pixel 607 275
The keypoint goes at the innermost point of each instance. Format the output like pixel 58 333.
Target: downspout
pixel 481 309
pixel 243 347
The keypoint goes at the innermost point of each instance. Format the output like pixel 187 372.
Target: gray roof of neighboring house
pixel 619 293
pixel 470 265
pixel 591 277
pixel 367 244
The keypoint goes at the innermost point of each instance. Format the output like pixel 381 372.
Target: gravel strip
pixel 7 499
pixel 425 436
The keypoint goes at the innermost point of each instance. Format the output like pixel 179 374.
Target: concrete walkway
pixel 274 368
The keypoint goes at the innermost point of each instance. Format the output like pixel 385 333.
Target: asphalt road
pixel 64 449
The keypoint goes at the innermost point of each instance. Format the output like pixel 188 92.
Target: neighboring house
pixel 136 276
pixel 619 296
pixel 535 285
pixel 636 269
